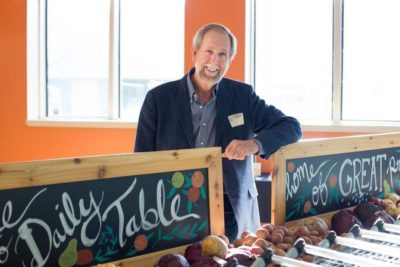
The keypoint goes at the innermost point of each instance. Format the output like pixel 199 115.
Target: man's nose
pixel 214 59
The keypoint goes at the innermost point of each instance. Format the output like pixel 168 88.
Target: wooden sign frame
pixel 70 170
pixel 318 147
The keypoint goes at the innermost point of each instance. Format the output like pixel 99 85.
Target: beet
pixel 364 211
pixel 243 257
pixel 172 260
pixel 205 261
pixel 343 220
pixel 386 218
pixel 193 252
pixel 376 200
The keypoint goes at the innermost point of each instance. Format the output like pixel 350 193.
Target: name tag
pixel 236 119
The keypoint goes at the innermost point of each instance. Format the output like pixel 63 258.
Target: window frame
pixel 336 124
pixel 36 74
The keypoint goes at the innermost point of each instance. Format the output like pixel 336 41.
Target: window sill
pixel 64 123
pixel 345 127
pixel 350 127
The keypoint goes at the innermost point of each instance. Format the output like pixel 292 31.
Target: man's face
pixel 212 58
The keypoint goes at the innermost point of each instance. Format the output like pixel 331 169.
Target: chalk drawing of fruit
pixel 70 255
pixel 197 179
pixel 141 242
pixel 177 180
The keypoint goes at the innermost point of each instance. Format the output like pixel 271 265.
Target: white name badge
pixel 236 119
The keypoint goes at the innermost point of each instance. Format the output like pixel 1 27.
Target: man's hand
pixel 239 149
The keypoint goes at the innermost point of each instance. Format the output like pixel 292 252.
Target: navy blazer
pixel 165 123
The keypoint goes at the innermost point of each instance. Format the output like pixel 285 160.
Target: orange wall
pixel 18 142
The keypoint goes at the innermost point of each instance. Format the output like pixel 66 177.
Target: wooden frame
pixel 320 147
pixel 70 170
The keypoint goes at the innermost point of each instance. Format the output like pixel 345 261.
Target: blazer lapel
pixel 184 113
pixel 224 100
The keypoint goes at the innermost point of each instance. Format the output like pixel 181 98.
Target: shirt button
pixel 204 124
pixel 201 106
pixel 201 143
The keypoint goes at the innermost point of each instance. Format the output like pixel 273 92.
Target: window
pixel 371 60
pixel 95 60
pixel 329 62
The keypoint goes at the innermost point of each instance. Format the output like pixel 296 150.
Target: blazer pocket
pixel 253 191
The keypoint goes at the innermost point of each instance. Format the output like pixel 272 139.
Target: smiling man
pixel 204 109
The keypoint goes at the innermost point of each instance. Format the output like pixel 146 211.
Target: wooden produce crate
pixel 320 177
pixel 127 209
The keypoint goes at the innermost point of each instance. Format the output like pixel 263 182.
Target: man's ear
pixel 194 52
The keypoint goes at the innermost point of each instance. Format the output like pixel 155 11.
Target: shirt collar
pixel 190 85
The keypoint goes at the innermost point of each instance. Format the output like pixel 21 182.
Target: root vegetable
pixel 193 252
pixel 343 220
pixel 212 245
pixel 172 259
pixel 263 233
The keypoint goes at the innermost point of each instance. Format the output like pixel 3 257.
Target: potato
pixel 314 233
pixel 316 224
pixel 280 231
pixel 292 231
pixel 248 240
pixel 283 229
pixel 256 250
pixel 282 246
pixel 288 239
pixel 308 257
pixel 307 240
pixel 302 231
pixel 315 239
pixel 263 233
pixel 387 202
pixel 245 233
pixel 212 245
pixel 279 252
pixel 269 227
pixel 262 243
pixel 392 196
pixel 238 242
pixel 276 237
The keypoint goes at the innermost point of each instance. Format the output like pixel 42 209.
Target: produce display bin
pixel 126 209
pixel 317 178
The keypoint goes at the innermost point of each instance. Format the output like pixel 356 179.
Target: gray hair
pixel 198 37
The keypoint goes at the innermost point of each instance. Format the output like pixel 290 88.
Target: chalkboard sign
pixel 322 184
pixel 334 179
pixel 84 223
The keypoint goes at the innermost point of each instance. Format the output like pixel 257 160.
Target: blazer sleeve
pixel 146 128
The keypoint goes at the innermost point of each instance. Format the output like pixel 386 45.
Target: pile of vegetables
pixel 216 251
pixel 365 214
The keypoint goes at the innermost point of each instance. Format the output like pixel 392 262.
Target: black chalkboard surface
pixel 90 222
pixel 129 209
pixel 320 176
pixel 321 184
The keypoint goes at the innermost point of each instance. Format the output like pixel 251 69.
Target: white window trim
pixel 336 125
pixel 36 79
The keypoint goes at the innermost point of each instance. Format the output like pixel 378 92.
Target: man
pixel 204 109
